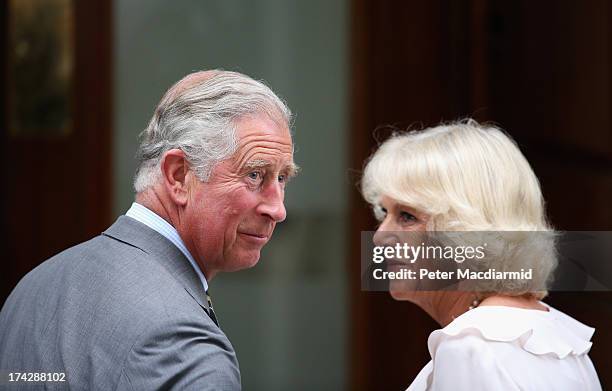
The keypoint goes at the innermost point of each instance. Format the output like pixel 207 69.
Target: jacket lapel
pixel 138 235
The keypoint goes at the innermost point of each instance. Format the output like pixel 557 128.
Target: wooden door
pixel 56 186
pixel 543 72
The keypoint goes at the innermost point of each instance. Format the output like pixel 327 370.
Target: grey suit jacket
pixel 122 311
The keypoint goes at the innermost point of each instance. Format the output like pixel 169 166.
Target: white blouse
pixel 506 348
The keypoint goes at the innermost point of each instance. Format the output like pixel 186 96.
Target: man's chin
pixel 245 260
pixel 252 262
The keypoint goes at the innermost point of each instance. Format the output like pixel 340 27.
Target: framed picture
pixel 40 68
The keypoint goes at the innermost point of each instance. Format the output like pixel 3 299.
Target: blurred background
pixel 80 80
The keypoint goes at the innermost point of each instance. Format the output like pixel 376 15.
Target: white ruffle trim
pixel 537 332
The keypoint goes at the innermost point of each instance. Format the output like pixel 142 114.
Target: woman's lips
pixel 397 264
pixel 394 265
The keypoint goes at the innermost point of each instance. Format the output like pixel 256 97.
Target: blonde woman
pixel 468 177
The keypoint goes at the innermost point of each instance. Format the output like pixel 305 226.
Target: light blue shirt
pixel 153 221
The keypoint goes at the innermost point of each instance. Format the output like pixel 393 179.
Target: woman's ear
pixel 174 169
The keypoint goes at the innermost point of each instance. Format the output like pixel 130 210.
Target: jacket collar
pixel 136 234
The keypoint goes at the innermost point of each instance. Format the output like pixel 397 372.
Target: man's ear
pixel 174 168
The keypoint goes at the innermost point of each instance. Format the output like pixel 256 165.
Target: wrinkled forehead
pixel 263 141
pixel 263 127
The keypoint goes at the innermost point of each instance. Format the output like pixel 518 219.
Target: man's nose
pixel 273 204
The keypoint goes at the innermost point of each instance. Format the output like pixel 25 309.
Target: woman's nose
pixel 384 236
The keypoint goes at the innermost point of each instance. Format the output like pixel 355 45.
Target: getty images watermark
pixel 401 255
pixel 486 261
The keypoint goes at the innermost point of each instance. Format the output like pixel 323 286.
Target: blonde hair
pixel 467 177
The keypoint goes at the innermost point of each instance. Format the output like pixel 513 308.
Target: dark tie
pixel 211 311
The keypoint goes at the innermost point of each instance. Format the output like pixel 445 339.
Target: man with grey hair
pixel 130 308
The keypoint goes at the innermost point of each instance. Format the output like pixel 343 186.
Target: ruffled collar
pixel 537 332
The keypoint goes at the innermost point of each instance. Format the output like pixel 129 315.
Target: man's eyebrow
pixel 257 164
pixel 290 168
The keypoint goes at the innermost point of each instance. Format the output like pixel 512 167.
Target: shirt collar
pixel 155 222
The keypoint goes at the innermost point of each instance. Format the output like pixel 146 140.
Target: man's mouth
pixel 255 237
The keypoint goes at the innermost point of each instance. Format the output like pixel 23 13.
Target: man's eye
pixel 254 175
pixel 406 217
pixel 282 178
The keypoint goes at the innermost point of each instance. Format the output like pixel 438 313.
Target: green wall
pixel 287 317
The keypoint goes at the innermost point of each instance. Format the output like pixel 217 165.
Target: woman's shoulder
pixel 533 331
pixel 496 347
